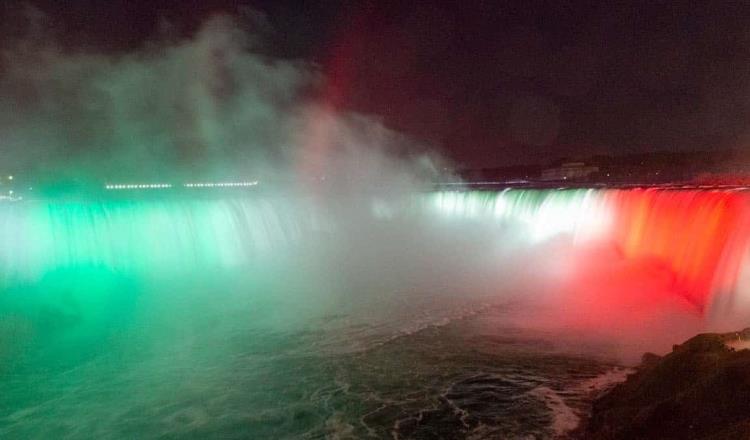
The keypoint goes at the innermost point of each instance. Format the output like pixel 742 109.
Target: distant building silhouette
pixel 570 171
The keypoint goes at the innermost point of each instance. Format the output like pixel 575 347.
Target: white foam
pixel 564 419
pixel 605 381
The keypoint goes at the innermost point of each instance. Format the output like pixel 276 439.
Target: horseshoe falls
pixel 270 316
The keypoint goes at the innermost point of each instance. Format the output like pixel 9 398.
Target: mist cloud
pixel 209 105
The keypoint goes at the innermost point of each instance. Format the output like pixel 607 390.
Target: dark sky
pixel 492 82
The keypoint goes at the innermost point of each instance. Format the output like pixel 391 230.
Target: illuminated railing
pixel 221 184
pixel 184 185
pixel 139 186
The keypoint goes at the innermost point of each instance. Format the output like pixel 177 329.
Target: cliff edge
pixel 701 390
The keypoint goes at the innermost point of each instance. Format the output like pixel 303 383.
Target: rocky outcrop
pixel 701 390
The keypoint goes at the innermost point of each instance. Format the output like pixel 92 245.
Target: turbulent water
pixel 386 317
pixel 466 378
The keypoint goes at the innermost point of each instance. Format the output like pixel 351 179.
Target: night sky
pixel 487 83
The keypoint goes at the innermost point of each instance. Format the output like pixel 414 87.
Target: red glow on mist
pixel 696 235
pixel 667 259
pixel 318 135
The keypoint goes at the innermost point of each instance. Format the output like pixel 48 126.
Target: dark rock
pixel 649 360
pixel 701 390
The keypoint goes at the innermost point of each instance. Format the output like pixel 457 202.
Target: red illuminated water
pixel 628 259
pixel 699 237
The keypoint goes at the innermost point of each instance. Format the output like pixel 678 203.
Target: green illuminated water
pixel 145 236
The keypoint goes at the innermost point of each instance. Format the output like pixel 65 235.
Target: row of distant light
pixel 186 185
pixel 140 186
pixel 221 184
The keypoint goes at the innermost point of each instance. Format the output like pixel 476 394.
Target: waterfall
pixel 699 236
pixel 148 235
